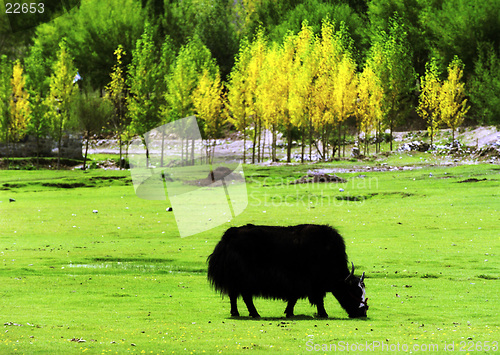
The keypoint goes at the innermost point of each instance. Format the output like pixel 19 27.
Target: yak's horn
pixel 352 272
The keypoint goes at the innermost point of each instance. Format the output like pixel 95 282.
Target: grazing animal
pixel 287 263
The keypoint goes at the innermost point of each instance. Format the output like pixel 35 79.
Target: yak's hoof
pixel 322 315
pixel 289 315
pixel 235 314
pixel 255 315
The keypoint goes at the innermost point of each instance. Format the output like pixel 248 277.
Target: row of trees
pixel 93 29
pixel 308 87
pixel 157 86
pixel 310 84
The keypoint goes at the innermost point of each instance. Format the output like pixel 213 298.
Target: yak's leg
pixel 318 301
pixel 251 308
pixel 289 307
pixel 234 305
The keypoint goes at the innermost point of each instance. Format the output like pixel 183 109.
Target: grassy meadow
pixel 123 281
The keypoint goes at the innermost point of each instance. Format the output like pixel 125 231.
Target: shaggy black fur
pixel 287 263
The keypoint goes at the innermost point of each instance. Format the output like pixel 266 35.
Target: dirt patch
pixel 472 180
pixel 106 178
pixel 65 185
pixel 353 198
pixel 216 176
pixel 318 178
pixel 8 186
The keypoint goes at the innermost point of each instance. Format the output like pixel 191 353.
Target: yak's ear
pixel 351 274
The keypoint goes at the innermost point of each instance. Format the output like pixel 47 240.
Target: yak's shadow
pixel 298 317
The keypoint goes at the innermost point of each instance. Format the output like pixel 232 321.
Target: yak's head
pixel 352 296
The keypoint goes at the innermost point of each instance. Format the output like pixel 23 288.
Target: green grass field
pixel 123 281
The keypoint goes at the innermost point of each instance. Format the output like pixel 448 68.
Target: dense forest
pixel 314 71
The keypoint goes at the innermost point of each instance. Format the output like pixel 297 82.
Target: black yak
pixel 287 263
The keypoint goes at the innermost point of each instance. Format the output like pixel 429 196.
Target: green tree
pixel 183 79
pixel 484 86
pixel 212 21
pixel 5 94
pixel 459 27
pixel 314 12
pixel 411 13
pixel 116 93
pixel 453 104
pixel 92 32
pixel 144 97
pixel 396 73
pixel 61 93
pixel 38 84
pixel 91 113
pixel 192 59
pixel 430 95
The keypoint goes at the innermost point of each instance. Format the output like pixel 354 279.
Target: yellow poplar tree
pixel 269 93
pixel 429 99
pixel 207 100
pixel 274 91
pixel 303 71
pixel 61 93
pixel 116 93
pixel 19 105
pixel 453 104
pixel 376 61
pixel 344 93
pixel 330 50
pixel 369 102
pixel 258 50
pixel 286 78
pixel 328 55
pixel 237 106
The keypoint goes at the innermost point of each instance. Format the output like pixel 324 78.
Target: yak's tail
pixel 220 264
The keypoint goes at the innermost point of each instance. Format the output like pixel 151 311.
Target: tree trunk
pixel 8 147
pixel 244 141
pixel 289 144
pixel 59 151
pixel 303 147
pixel 254 143
pixel 310 140
pixel 86 151
pixel 273 148
pixel 340 137
pixel 377 139
pixel 37 152
pixel 324 143
pixel 259 140
pixel 390 138
pixel 120 143
pixel 343 142
pixel 162 145
pixel 192 151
